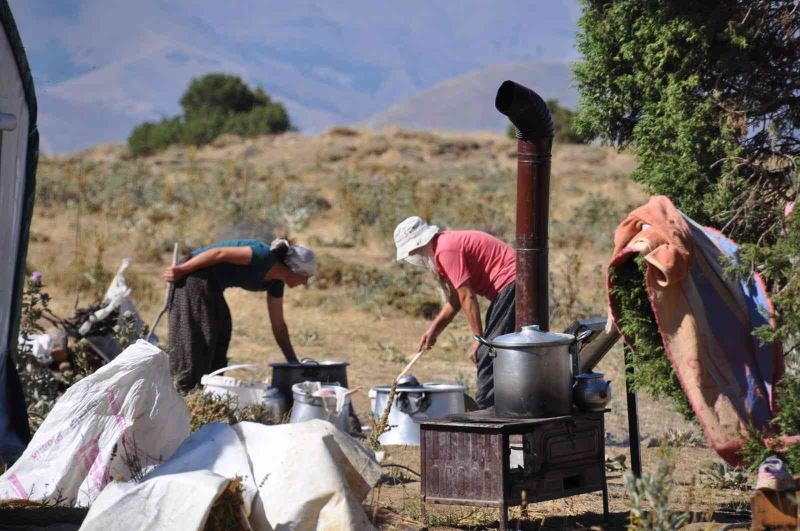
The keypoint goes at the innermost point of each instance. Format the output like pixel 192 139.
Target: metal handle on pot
pixel 575 348
pixel 309 367
pixel 233 368
pixel 582 336
pixel 485 343
pixel 421 403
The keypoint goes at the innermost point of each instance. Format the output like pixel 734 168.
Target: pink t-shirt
pixel 462 255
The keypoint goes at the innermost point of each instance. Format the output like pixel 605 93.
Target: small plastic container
pixel 248 392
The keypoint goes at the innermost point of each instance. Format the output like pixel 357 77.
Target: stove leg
pixel 503 517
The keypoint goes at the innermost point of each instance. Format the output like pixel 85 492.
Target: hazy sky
pixel 101 66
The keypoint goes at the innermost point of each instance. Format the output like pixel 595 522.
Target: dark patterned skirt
pixel 500 319
pixel 199 328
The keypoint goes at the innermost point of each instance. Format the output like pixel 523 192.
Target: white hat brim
pixel 421 240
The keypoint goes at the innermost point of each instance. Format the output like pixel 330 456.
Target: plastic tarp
pixel 310 475
pixel 19 140
pixel 303 476
pixel 175 502
pixel 119 422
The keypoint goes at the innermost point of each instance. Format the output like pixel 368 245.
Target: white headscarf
pixel 300 259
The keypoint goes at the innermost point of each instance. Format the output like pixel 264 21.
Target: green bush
pixel 149 137
pixel 212 105
pixel 262 120
pixel 220 93
pixel 706 96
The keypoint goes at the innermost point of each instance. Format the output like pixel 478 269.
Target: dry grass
pixel 359 185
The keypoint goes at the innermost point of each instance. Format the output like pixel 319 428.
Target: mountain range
pixel 466 103
pixel 103 66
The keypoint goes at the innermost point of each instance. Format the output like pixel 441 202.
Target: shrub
pixel 212 105
pixel 149 137
pixel 649 500
pixel 261 120
pixel 219 93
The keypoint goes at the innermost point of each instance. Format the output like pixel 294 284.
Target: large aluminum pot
pixel 532 373
pixel 307 406
pixel 414 402
pixel 285 375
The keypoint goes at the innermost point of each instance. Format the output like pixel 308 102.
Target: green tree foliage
pixel 212 105
pixel 563 119
pixel 707 94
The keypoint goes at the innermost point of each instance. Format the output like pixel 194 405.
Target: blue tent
pixel 19 153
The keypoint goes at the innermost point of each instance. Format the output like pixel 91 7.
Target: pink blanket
pixel 705 321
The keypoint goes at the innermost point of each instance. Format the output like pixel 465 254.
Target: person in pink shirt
pixel 466 264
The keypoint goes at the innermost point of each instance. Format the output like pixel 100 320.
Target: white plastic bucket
pixel 248 392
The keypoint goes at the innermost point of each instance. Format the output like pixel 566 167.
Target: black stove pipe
pixel 529 114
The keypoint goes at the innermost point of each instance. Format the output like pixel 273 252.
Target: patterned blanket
pixel 705 320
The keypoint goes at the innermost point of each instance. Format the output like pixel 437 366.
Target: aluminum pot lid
pixel 309 363
pixel 409 380
pixel 531 336
pixel 423 388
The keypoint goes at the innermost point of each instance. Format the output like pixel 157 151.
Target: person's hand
pixel 427 340
pixel 473 352
pixel 173 273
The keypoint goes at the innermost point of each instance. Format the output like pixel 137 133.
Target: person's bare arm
pixel 469 301
pixel 217 255
pixel 279 328
pixel 445 316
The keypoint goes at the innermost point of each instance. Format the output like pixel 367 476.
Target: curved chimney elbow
pixel 526 110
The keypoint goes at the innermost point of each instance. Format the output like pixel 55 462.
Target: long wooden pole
pixel 166 297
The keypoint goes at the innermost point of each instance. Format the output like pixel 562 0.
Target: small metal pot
pixel 533 372
pixel 307 406
pixel 285 375
pixel 275 404
pixel 591 392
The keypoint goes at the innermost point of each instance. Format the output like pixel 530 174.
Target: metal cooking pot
pixel 591 392
pixel 275 404
pixel 533 372
pixel 285 374
pixel 414 402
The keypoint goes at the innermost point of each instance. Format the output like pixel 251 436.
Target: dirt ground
pixel 331 325
pixel 400 492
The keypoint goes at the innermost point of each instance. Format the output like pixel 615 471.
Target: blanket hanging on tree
pixel 705 321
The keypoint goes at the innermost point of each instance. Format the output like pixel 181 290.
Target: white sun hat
pixel 412 233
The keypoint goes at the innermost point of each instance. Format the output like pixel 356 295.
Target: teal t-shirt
pixel 250 276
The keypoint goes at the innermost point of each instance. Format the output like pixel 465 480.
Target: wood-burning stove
pixel 469 459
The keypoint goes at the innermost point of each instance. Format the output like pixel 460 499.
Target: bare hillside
pixel 466 103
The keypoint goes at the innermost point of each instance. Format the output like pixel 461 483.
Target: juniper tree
pixel 707 95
